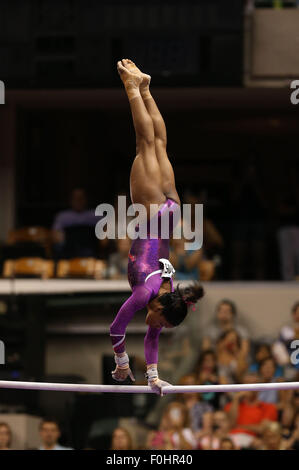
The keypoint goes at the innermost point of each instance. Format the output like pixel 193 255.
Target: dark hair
pixel 230 303
pixel 270 358
pixel 259 346
pixel 49 420
pixel 128 436
pixel 176 303
pixel 202 357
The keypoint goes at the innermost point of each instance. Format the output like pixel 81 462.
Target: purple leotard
pixel 144 275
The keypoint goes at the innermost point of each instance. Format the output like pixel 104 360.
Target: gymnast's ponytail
pixel 191 294
pixel 176 303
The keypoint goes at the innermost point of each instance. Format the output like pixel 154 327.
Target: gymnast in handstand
pixel 150 273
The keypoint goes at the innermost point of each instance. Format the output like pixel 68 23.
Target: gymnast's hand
pixel 153 380
pixel 157 386
pixel 121 374
pixel 122 370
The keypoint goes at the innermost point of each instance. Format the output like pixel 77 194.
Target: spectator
pixel 207 374
pixel 282 349
pixel 5 436
pixel 213 240
pixel 50 433
pixel 226 315
pixel 80 217
pixel 200 412
pixel 159 440
pixel 263 351
pixel 231 359
pixel 267 370
pixel 290 332
pixel 121 439
pixel 212 243
pixel 221 429
pixel 248 415
pixel 174 431
pixel 185 262
pixel 197 264
pixel 118 262
pixel 272 438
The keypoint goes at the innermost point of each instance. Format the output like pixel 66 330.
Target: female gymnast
pixel 149 271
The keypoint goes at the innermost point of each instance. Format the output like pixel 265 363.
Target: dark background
pixel 73 43
pixel 73 126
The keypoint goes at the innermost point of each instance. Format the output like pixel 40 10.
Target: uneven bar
pixel 89 388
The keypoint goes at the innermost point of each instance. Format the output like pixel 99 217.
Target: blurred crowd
pixel 71 249
pixel 49 432
pixel 227 355
pixel 267 420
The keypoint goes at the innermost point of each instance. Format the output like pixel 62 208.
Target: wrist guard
pixel 152 374
pixel 122 362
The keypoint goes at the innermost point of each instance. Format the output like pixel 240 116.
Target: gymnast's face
pixel 155 317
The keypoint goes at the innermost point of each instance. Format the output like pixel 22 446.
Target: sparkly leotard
pixel 145 278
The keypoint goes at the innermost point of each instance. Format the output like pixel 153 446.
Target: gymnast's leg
pixel 160 134
pixel 145 177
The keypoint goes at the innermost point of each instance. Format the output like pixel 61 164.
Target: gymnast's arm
pixel 137 301
pixel 151 344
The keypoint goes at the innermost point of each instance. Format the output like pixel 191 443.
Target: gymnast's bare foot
pixel 128 78
pixel 144 85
